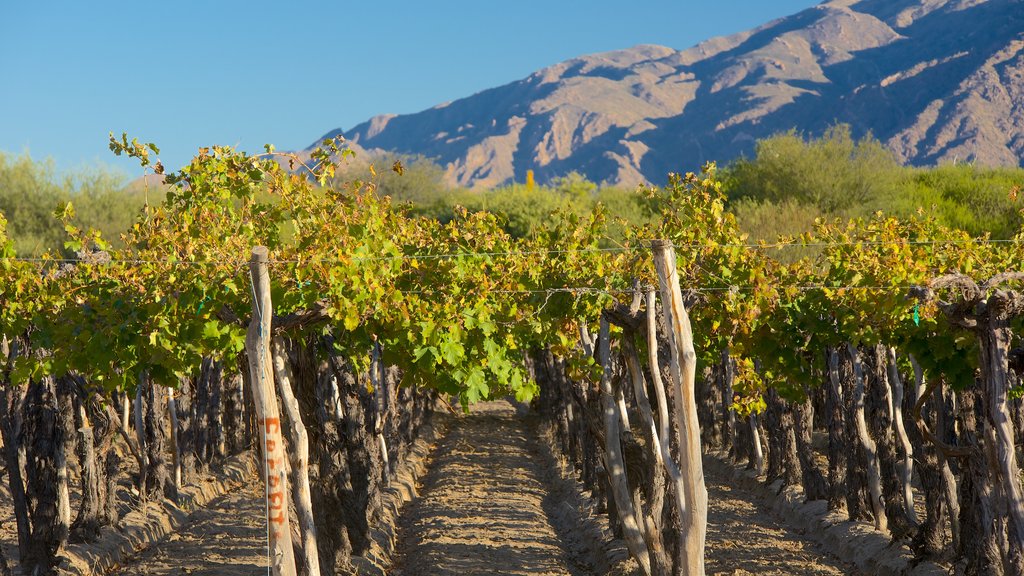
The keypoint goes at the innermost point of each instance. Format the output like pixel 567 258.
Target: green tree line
pixel 30 191
pixel 789 182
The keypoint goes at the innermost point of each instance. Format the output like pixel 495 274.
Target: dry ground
pixel 227 537
pixel 487 505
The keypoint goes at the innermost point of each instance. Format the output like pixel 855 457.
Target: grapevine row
pixel 372 312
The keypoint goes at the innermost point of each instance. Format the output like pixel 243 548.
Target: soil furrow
pixel 489 504
pixel 745 538
pixel 486 505
pixel 228 537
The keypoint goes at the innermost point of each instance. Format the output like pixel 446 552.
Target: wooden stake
pixel 257 348
pixel 299 440
pixel 172 409
pixel 907 466
pixel 140 438
pixel 683 363
pixel 614 462
pixel 659 390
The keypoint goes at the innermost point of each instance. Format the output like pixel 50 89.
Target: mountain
pixel 936 80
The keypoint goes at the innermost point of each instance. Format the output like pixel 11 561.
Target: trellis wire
pixel 456 255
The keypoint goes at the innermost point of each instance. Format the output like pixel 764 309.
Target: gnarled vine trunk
pixel 928 540
pixel 86 527
pixel 49 425
pixel 979 540
pixel 994 346
pixel 726 394
pixel 837 453
pixel 784 463
pixel 12 398
pixel 867 445
pixel 811 478
pixel 158 481
pixel 858 500
pixel 881 418
pixel 901 403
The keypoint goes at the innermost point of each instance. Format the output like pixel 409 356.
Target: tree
pixel 835 173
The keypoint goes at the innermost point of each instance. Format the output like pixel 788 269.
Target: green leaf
pixel 211 329
pixel 452 351
pixel 476 386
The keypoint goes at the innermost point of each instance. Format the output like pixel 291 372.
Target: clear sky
pixel 186 73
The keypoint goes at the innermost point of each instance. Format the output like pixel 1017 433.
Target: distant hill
pixel 936 80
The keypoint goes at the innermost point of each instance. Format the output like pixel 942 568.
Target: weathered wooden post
pixel 614 462
pixel 300 460
pixel 140 436
pixel 275 475
pixel 683 364
pixel 172 410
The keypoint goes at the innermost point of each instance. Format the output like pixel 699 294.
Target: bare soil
pixel 487 505
pixel 745 538
pixel 8 525
pixel 228 537
pixel 490 503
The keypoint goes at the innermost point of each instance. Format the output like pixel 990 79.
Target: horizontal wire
pixel 566 290
pixel 863 243
pixel 403 257
pixel 455 255
pixel 804 287
pixel 715 289
pixel 97 262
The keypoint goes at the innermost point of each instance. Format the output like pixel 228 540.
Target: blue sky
pixel 185 74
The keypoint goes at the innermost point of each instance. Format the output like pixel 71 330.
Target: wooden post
pixel 907 466
pixel 756 450
pixel 683 364
pixel 300 461
pixel 140 438
pixel 65 422
pixel 124 410
pixel 614 462
pixel 172 409
pixel 275 475
pixel 659 390
pixel 620 401
pixel 585 339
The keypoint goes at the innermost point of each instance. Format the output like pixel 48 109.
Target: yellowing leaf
pixel 351 319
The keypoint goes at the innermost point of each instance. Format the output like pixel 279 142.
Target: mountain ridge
pixel 935 80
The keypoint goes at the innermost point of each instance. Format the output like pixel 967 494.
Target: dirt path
pixel 486 505
pixel 745 538
pixel 227 537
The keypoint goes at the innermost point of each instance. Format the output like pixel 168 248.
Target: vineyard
pixel 872 364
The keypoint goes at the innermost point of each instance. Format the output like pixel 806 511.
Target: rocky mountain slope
pixel 936 80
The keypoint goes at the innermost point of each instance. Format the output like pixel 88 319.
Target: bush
pixel 835 173
pixel 30 191
pixel 791 179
